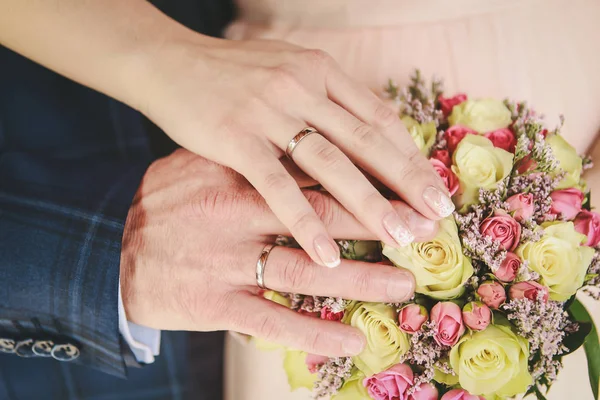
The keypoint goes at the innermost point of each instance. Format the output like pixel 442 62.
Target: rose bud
pixel 443 156
pixel 526 164
pixel 509 268
pixel 425 391
pixel 528 290
pixel 566 203
pixel 502 228
pixel 314 361
pixel 588 223
pixel 521 205
pixel 412 317
pixel 492 294
pixel 447 317
pixel 477 315
pixel 329 315
pixel 460 394
pixel 455 134
pixel 450 180
pixel 503 138
pixel 448 103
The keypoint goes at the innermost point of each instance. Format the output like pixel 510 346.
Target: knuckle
pixel 364 136
pixel 277 181
pixel 303 221
pixel 283 81
pixel 323 206
pixel 363 284
pixel 297 273
pixel 214 204
pixel 373 201
pixel 314 339
pixel 410 166
pixel 385 116
pixel 317 57
pixel 329 156
pixel 267 327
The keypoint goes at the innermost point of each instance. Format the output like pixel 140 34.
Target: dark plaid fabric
pixel 71 160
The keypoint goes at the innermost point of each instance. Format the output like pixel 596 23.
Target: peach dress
pixel 544 51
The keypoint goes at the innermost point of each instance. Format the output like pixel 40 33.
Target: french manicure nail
pixel 439 202
pixel 329 255
pixel 353 345
pixel 394 225
pixel 401 287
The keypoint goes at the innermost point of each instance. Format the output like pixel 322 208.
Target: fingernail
pixel 329 255
pixel 401 287
pixel 353 345
pixel 439 202
pixel 394 225
pixel 420 225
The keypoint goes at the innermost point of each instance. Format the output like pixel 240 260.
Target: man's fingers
pixel 264 319
pixel 291 270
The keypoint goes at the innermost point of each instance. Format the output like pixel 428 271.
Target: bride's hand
pixel 240 104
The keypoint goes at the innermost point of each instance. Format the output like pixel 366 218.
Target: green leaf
pixel 587 201
pixel 576 339
pixel 591 345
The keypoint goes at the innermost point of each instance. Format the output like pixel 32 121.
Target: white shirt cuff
pixel 144 342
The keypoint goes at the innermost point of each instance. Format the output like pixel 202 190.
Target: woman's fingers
pixel 262 318
pixel 284 197
pixel 404 171
pixel 291 271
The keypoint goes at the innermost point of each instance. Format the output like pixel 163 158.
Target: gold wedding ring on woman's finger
pixel 297 139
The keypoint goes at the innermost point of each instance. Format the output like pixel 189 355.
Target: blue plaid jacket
pixel 71 160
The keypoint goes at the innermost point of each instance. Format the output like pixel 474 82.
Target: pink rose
pixel 526 164
pixel 503 138
pixel 492 294
pixel 329 315
pixel 447 317
pixel 509 268
pixel 391 384
pixel 314 361
pixel 476 315
pixel 502 228
pixel 566 202
pixel 521 205
pixel 412 317
pixel 455 134
pixel 528 290
pixel 448 103
pixel 460 394
pixel 588 223
pixel 443 156
pixel 446 174
pixel 425 391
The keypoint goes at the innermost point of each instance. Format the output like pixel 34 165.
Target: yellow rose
pixel 559 258
pixel 439 266
pixel 297 372
pixel 492 362
pixel 353 388
pixel 483 115
pixel 423 134
pixel 446 379
pixel 385 341
pixel 478 164
pixel 569 161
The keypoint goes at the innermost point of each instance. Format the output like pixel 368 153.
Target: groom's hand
pixel 192 239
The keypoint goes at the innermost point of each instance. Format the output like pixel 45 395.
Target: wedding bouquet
pixel 495 308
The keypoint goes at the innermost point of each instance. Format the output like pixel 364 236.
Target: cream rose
pixel 559 258
pixel 386 343
pixel 423 134
pixel 569 161
pixel 484 115
pixel 439 266
pixel 478 164
pixel 492 362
